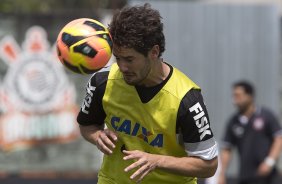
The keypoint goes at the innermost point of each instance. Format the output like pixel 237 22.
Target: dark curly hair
pixel 246 85
pixel 138 27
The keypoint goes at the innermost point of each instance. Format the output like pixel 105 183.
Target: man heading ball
pixel 158 129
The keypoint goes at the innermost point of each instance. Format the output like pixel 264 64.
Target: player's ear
pixel 154 52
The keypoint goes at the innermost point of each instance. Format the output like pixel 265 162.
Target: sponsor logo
pixel 88 99
pixel 136 129
pixel 201 120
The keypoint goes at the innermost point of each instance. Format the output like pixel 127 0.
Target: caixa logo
pixel 34 93
pixel 135 129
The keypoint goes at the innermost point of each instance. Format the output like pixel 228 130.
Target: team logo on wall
pixel 36 99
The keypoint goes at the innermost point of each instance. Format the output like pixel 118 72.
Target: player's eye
pixel 129 60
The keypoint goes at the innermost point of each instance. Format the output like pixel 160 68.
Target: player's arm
pixel 225 157
pixel 275 132
pixel 275 149
pixel 91 116
pixel 270 161
pixel 194 127
pixel 187 166
pixel 104 139
pixel 199 143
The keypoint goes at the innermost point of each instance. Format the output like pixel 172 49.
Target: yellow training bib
pixel 148 127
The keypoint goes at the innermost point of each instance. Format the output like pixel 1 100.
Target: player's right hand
pixel 105 141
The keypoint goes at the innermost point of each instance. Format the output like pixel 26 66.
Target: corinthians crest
pixel 37 100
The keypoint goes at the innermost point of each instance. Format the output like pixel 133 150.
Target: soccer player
pixel 257 135
pixel 157 126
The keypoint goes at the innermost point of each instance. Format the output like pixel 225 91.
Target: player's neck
pixel 159 72
pixel 249 111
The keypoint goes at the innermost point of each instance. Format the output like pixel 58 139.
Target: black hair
pixel 246 85
pixel 138 27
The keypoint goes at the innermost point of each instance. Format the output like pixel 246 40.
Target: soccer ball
pixel 84 46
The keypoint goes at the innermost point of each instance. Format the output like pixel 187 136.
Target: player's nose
pixel 123 67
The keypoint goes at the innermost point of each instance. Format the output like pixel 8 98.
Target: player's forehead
pixel 240 92
pixel 124 52
pixel 238 89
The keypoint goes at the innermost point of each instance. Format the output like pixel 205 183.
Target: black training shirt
pixel 253 138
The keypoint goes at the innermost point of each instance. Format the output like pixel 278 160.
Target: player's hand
pixel 145 162
pixel 264 169
pixel 105 141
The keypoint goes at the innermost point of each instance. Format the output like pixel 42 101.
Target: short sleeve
pixel 229 139
pixel 91 111
pixel 193 126
pixel 273 125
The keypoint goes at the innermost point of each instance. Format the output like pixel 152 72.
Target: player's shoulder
pixel 191 97
pixel 265 112
pixel 180 75
pixel 193 94
pixel 179 84
pixel 99 78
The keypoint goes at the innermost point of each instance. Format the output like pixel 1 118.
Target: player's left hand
pixel 145 162
pixel 264 169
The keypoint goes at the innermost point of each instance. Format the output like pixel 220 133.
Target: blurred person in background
pixel 257 135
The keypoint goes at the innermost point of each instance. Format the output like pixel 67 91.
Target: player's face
pixel 134 66
pixel 241 99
